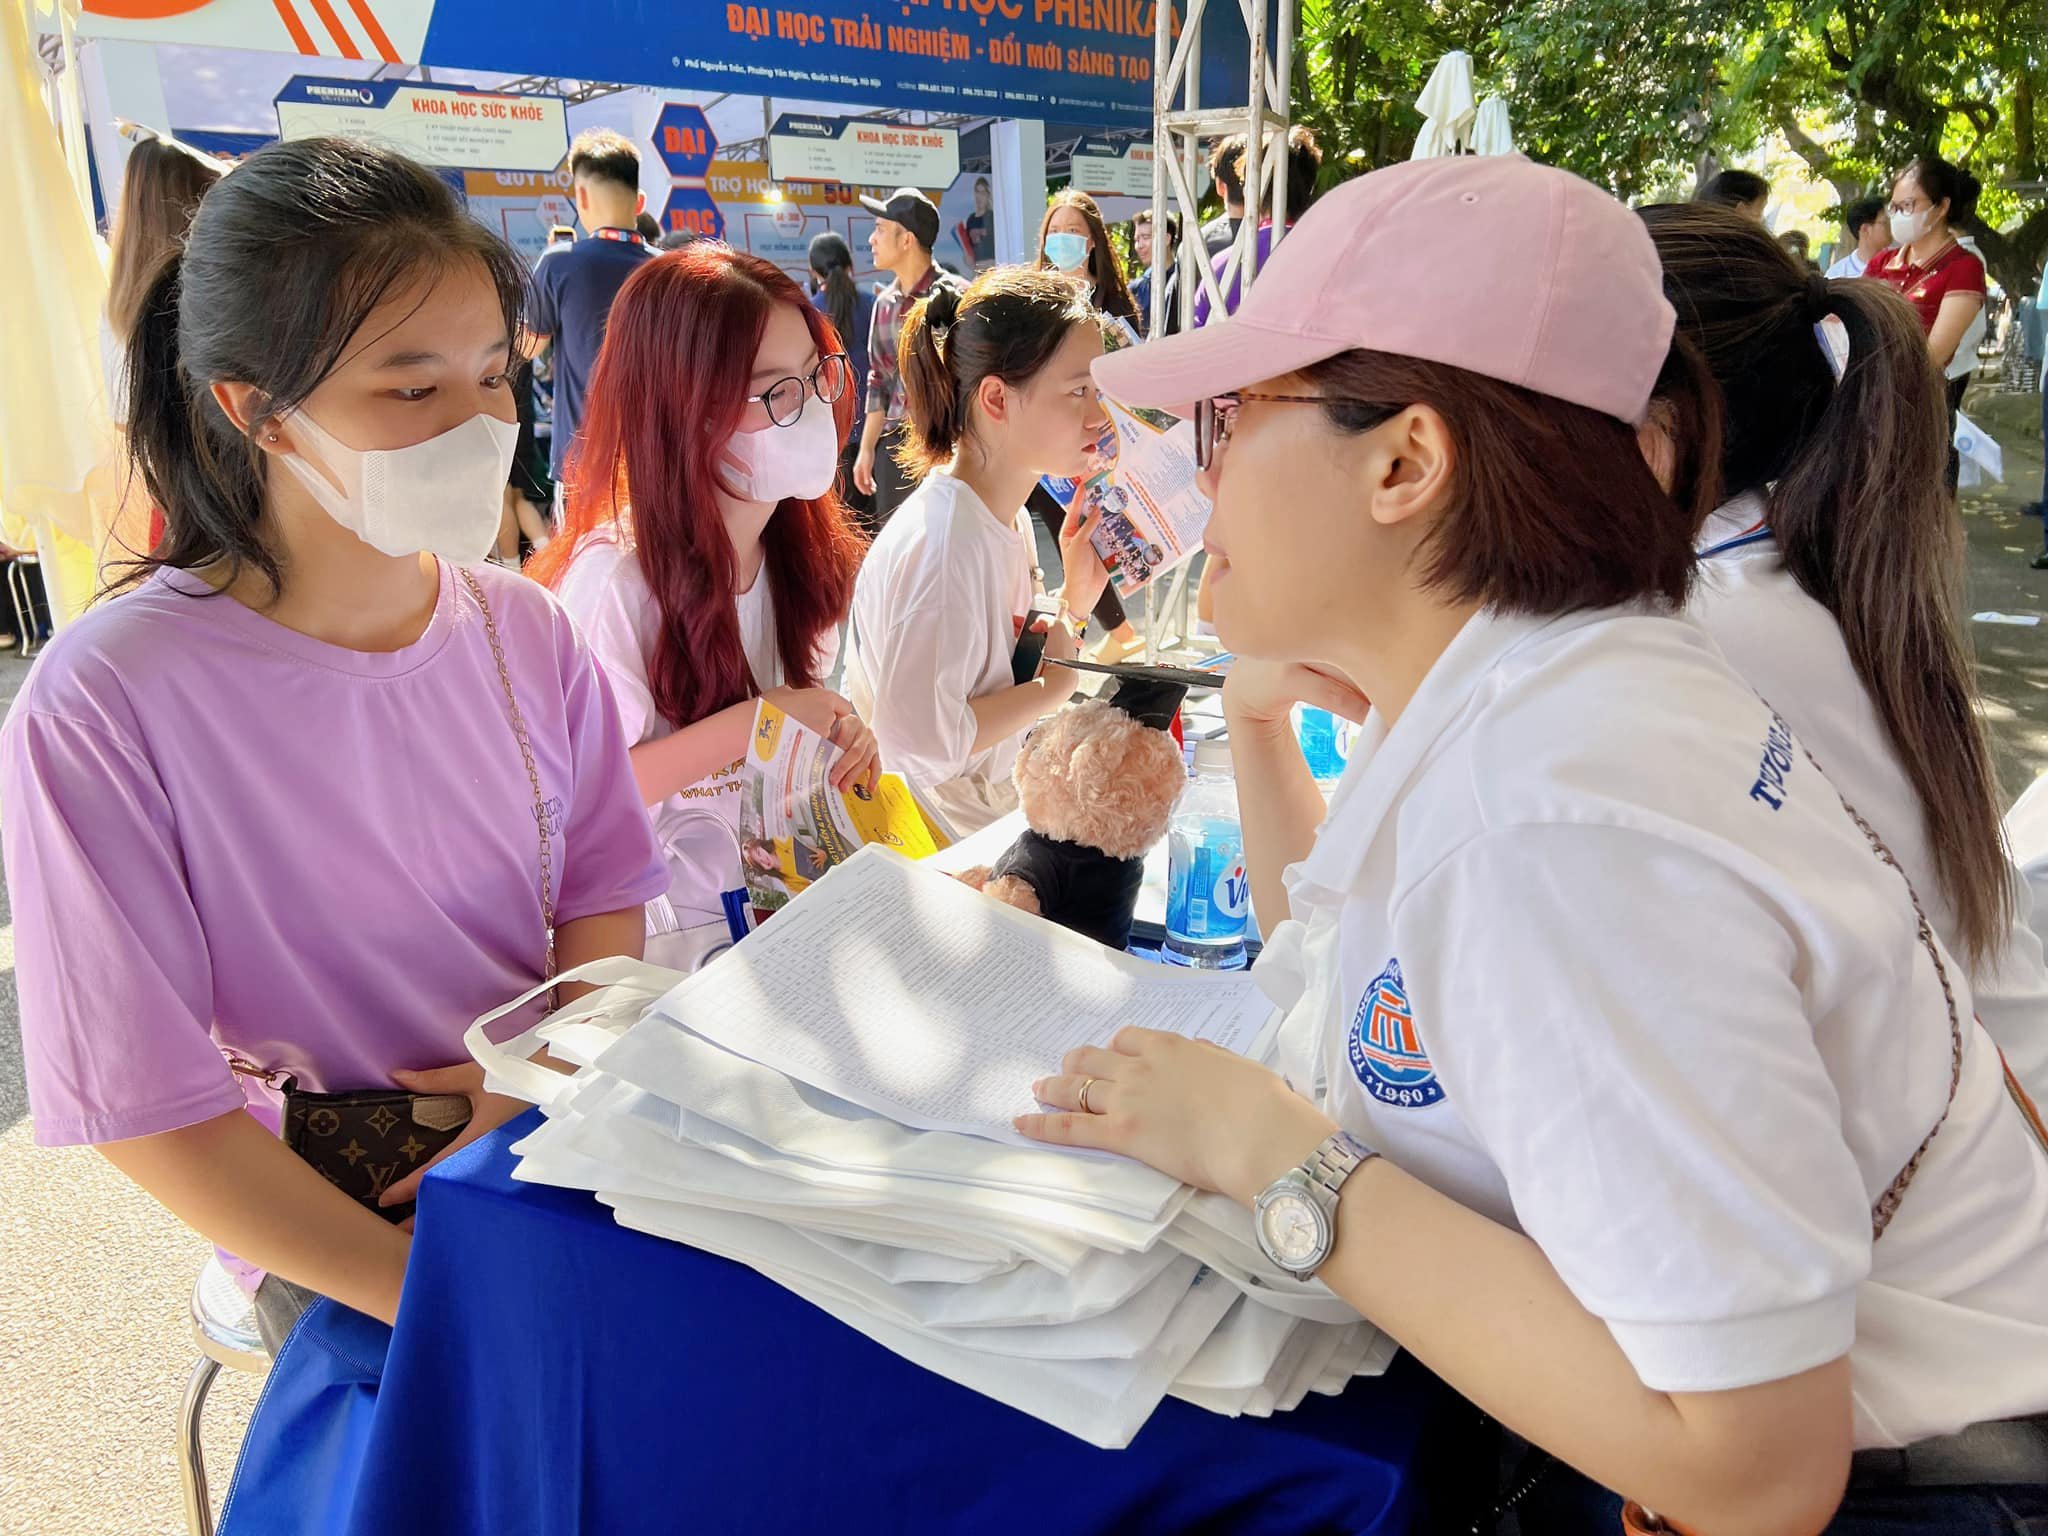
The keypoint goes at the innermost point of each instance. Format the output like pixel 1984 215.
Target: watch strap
pixel 1335 1160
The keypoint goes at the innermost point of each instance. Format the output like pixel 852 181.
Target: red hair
pixel 665 397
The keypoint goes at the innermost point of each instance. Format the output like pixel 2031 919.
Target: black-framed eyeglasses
pixel 784 399
pixel 1216 416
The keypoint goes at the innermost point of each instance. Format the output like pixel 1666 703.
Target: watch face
pixel 1292 1229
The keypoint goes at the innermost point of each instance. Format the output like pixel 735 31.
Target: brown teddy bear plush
pixel 1097 783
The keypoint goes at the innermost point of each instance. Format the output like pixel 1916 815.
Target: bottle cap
pixel 1213 756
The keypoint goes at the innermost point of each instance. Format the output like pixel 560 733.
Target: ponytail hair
pixel 213 476
pixel 832 260
pixel 285 261
pixel 1852 474
pixel 1006 324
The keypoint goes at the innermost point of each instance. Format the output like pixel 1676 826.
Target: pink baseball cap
pixel 1490 263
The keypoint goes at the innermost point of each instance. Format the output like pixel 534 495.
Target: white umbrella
pixel 1490 132
pixel 1447 107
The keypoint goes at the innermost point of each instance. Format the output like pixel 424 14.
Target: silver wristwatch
pixel 1296 1216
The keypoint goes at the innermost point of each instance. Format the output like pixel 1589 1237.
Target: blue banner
pixel 1059 60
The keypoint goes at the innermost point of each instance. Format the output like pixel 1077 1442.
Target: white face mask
pixel 778 463
pixel 445 496
pixel 1908 227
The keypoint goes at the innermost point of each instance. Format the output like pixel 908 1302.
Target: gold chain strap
pixel 1888 1203
pixel 540 810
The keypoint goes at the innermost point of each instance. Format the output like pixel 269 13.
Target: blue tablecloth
pixel 554 1372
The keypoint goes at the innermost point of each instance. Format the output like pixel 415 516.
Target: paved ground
pixel 2012 662
pixel 94 1348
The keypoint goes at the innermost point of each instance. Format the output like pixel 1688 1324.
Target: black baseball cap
pixel 910 208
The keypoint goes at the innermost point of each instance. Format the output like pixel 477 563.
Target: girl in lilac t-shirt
pixel 270 801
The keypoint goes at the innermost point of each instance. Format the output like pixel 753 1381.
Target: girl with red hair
pixel 704 552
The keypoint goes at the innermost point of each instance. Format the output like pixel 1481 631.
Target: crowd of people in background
pixel 1911 241
pixel 1550 493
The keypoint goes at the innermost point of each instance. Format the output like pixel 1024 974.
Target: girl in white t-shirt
pixel 1829 578
pixel 1620 1081
pixel 997 394
pixel 705 554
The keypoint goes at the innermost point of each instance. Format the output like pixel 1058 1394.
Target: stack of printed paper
pixel 830 1102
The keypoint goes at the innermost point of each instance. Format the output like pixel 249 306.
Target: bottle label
pixel 1209 892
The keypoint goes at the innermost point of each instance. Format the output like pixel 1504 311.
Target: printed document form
pixel 902 991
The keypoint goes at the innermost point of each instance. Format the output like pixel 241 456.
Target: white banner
pixel 1111 168
pixel 434 124
pixel 862 152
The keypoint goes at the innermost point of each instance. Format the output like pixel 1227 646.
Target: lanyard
pixel 623 236
pixel 1757 533
pixel 1909 274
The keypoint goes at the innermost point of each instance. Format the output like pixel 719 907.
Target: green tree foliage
pixel 1645 98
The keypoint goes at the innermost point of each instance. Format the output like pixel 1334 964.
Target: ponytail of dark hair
pixel 285 261
pixel 1867 528
pixel 832 259
pixel 1852 472
pixel 181 461
pixel 934 415
pixel 1006 324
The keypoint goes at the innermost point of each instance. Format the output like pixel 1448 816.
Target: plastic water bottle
pixel 1208 897
pixel 1325 741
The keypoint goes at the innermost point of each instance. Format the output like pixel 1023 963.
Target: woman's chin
pixel 1231 633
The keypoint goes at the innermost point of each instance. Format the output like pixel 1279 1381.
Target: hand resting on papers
pixel 1194 1110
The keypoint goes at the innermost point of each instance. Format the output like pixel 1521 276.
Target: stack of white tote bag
pixel 829 1102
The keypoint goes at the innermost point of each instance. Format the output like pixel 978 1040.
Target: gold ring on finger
pixel 1086 1084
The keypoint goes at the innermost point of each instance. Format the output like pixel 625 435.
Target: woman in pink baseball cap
pixel 1619 1077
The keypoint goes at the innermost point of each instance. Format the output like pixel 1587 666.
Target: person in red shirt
pixel 1939 278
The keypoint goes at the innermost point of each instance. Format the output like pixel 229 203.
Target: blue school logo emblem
pixel 1386 1052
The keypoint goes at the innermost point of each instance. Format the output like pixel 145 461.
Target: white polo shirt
pixel 936 613
pixel 1588 946
pixel 1789 649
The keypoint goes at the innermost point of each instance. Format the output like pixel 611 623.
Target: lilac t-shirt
pixel 221 833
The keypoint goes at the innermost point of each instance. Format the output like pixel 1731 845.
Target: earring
pixel 271 438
